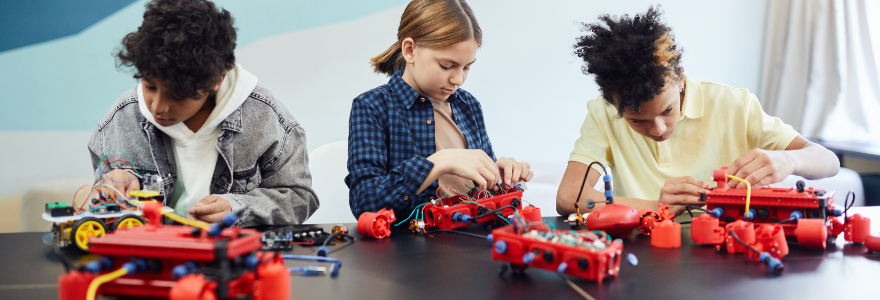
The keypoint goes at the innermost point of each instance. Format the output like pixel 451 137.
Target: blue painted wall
pixel 57 72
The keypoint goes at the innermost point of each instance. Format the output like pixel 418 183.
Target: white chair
pixel 328 167
pixel 846 180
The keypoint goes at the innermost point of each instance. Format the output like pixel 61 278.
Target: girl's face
pixel 437 73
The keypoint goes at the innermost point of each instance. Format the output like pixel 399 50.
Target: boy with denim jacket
pixel 197 119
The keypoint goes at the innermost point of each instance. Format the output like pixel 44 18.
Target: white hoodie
pixel 196 153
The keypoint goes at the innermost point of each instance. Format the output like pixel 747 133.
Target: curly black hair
pixel 189 44
pixel 633 59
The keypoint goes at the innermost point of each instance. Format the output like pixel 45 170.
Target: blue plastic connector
pixel 179 271
pixel 796 215
pixel 609 193
pixel 776 265
pixel 215 230
pixel 836 212
pixel 489 238
pixel 93 266
pixel 251 261
pixel 140 264
pixel 528 258
pixel 500 247
pixel 130 267
pixel 717 212
pixel 322 251
pixel 229 219
pixel 106 263
pixel 632 259
pixel 460 217
pixel 764 256
pixel 562 267
pixel 606 178
pixel 750 214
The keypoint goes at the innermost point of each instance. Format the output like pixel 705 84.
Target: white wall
pixel 529 82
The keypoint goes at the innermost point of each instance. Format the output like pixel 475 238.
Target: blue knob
pixel 632 259
pixel 229 219
pixel 322 251
pixel 251 261
pixel 796 215
pixel 528 257
pixel 179 271
pixel 489 238
pixel 717 212
pixel 750 214
pixel 500 247
pixel 93 266
pixel 561 268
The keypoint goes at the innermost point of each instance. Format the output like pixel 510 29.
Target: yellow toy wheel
pixel 85 228
pixel 128 221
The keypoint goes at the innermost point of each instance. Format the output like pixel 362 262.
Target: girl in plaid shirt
pixel 421 131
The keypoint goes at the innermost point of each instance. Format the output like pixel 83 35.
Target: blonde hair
pixel 434 24
pixel 665 55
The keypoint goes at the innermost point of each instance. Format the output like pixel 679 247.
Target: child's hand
pixel 514 171
pixel 760 167
pixel 679 192
pixel 471 164
pixel 210 209
pixel 122 180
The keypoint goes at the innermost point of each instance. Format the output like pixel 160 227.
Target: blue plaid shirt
pixel 390 136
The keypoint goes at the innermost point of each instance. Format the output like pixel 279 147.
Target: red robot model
pixel 179 262
pixel 615 219
pixel 590 255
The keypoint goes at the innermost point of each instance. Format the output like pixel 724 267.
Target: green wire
pixel 551 225
pixel 505 219
pixel 100 162
pixel 411 213
pixel 500 188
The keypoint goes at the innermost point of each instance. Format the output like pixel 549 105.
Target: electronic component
pixel 586 254
pixel 179 262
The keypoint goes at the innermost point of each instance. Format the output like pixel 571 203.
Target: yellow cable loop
pixel 93 287
pixel 185 221
pixel 748 192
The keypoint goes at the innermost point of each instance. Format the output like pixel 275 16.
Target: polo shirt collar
pixel 406 94
pixel 693 99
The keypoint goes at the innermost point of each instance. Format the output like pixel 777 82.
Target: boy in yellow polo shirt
pixel 658 129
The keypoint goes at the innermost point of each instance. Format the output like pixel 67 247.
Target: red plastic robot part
pixel 706 231
pixel 811 233
pixel 872 243
pixel 745 231
pixel 770 238
pixel 857 229
pixel 666 234
pixel 648 219
pixel 614 219
pixel 376 225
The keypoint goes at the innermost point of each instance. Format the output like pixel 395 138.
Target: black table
pixel 452 266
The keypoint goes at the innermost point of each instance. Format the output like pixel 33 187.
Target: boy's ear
pixel 217 86
pixel 407 48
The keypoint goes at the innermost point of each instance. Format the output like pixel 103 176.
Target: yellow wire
pixel 185 221
pixel 748 191
pixel 93 287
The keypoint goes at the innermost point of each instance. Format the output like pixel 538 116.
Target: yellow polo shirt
pixel 718 125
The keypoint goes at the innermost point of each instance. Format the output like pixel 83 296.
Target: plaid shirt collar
pixel 407 94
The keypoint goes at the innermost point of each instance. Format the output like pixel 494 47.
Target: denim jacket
pixel 262 169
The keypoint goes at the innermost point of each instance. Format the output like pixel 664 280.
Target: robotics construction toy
pixel 447 213
pixel 529 242
pixel 759 222
pixel 103 210
pixel 198 261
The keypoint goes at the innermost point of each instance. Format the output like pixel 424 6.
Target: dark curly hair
pixel 634 59
pixel 189 44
